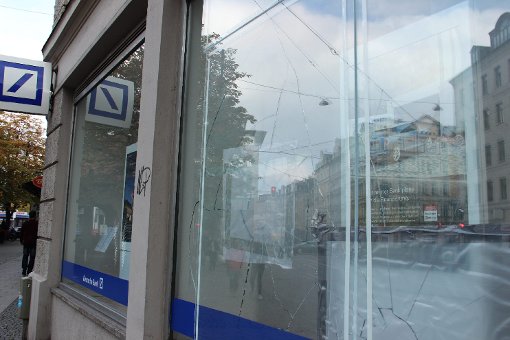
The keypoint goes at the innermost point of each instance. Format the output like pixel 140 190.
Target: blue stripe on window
pixel 107 285
pixel 214 324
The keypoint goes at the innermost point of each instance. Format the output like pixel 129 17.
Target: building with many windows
pixel 490 84
pixel 494 61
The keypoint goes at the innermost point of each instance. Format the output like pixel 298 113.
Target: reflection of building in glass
pixel 300 208
pixel 256 227
pixel 417 174
pixel 489 77
pixel 418 177
pixel 328 194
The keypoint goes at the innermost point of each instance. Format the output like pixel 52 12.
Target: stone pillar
pixel 46 274
pixel 158 147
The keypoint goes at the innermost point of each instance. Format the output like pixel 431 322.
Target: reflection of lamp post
pixel 324 102
pixel 460 214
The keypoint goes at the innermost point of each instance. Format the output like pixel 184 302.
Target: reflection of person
pixel 4 231
pixel 256 277
pixel 28 238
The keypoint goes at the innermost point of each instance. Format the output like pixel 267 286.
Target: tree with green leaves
pixel 21 159
pixel 214 107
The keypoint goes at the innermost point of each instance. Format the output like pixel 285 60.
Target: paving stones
pixel 11 327
pixel 10 273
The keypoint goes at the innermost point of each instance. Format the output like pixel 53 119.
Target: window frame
pixel 508 70
pixel 499 114
pixel 485 85
pixel 497 76
pixel 501 151
pixel 503 189
pixel 116 57
pixel 488 155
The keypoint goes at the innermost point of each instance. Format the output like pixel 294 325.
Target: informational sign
pixel 25 85
pixel 38 181
pixel 394 205
pixel 110 286
pixel 430 213
pixel 16 214
pixel 111 103
pixel 21 214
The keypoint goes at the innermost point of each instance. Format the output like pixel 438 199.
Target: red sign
pixel 37 182
pixel 430 213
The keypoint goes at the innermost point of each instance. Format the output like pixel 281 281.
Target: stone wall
pixel 60 7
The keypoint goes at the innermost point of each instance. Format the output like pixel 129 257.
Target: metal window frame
pixel 113 60
pixel 118 54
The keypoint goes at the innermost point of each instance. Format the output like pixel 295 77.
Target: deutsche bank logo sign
pixel 111 103
pixel 24 85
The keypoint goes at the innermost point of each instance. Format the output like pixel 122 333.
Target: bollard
pixel 25 292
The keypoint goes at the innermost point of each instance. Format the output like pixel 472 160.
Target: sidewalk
pixel 10 274
pixel 11 327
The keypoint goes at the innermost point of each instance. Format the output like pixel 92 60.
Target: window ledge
pixel 112 326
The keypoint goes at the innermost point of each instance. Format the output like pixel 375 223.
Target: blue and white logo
pixel 24 85
pixel 111 102
pixel 107 285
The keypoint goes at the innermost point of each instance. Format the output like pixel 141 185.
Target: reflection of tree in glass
pixel 226 119
pixel 226 129
pixel 103 158
pixel 108 142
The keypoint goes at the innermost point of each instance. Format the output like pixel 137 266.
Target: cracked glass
pixel 334 176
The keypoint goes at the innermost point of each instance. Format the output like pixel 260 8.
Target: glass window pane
pixel 499 113
pixel 502 188
pixel 337 176
pixel 501 151
pixel 497 76
pixel 263 132
pixel 100 205
pixel 428 248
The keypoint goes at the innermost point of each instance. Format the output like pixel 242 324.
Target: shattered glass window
pixel 333 181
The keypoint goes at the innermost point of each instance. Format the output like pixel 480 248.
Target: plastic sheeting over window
pixel 334 179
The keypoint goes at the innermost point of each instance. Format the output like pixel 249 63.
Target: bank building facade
pixel 225 169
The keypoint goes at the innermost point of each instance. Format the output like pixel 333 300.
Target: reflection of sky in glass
pixel 293 54
pixel 295 58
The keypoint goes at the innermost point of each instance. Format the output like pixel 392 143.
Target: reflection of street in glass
pixel 295 160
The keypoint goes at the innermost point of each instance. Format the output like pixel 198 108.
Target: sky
pixel 301 52
pixel 25 27
pixel 308 50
